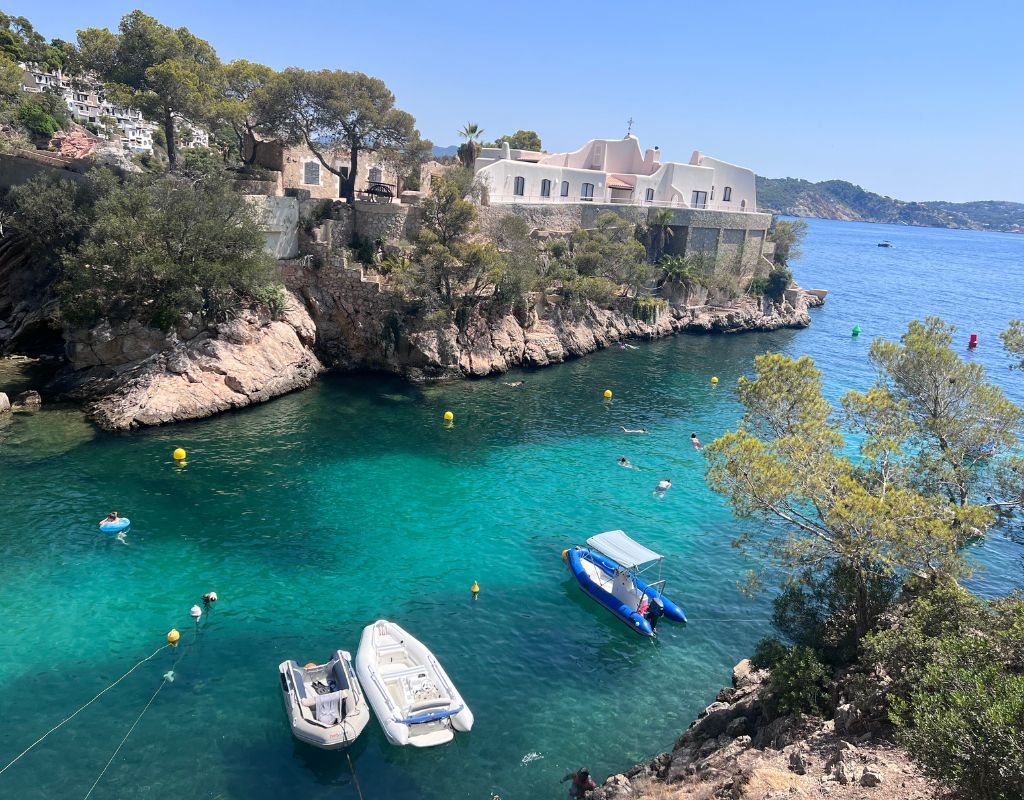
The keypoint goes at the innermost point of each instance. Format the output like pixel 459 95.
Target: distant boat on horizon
pixel 886 243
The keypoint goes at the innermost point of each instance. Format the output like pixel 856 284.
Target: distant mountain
pixel 450 150
pixel 843 200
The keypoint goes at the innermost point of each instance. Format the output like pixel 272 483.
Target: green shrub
pixel 768 652
pixel 43 113
pixel 157 248
pixel 966 727
pixel 955 665
pixel 798 683
pixel 596 290
pixel 38 121
pixel 777 283
pixel 758 285
pixel 648 308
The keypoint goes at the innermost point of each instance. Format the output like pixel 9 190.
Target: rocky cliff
pixel 130 375
pixel 360 325
pixel 734 750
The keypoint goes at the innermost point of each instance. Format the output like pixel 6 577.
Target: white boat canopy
pixel 619 547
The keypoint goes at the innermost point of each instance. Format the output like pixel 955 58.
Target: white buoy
pixel 210 597
pixel 196 613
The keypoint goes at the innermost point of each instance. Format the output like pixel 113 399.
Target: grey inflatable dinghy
pixel 325 704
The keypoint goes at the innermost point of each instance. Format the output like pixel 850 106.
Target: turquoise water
pixel 322 511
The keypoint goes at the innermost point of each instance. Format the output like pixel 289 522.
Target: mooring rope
pixel 355 779
pixel 80 710
pixel 168 676
pixel 125 739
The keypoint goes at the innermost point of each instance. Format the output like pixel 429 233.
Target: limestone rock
pixel 27 401
pixel 5 403
pixel 847 718
pixel 872 777
pixel 153 378
pixel 798 762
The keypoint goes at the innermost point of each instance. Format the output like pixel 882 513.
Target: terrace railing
pixel 536 199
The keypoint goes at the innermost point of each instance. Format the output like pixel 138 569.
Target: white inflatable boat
pixel 411 694
pixel 324 702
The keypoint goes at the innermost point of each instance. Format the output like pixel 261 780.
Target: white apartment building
pixel 87 104
pixel 614 171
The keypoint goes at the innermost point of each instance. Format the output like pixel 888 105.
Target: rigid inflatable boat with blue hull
pixel 609 571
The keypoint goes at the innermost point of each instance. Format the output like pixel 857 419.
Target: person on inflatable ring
pixel 111 517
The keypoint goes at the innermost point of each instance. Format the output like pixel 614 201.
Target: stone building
pixel 298 168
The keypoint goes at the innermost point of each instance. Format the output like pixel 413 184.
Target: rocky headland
pixel 736 750
pixel 129 375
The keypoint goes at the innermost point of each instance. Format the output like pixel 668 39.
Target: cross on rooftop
pixel 629 129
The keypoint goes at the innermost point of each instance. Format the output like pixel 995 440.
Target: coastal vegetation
pixel 148 248
pixel 1013 341
pixel 843 200
pixel 867 509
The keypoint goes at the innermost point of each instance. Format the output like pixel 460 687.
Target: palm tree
pixel 471 132
pixel 662 222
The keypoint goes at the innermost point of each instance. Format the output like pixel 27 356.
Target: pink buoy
pixel 973 342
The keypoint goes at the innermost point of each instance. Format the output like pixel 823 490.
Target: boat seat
pixel 401 672
pixel 422 705
pixel 329 708
pixel 300 687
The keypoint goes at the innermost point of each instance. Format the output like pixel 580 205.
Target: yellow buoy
pixel 565 554
pixel 179 454
pixel 714 380
pixel 173 636
pixel 449 416
pixel 475 588
pixel 607 394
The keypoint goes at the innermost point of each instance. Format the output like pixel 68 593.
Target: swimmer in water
pixel 663 486
pixel 111 517
pixel 695 442
pixel 633 430
pixel 624 462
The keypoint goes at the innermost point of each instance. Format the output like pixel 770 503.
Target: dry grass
pixel 660 791
pixel 763 780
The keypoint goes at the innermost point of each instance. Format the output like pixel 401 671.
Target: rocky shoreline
pixel 131 376
pixel 734 750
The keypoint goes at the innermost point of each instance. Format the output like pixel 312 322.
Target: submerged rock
pixel 29 400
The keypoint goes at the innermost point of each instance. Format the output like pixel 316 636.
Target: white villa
pixel 614 171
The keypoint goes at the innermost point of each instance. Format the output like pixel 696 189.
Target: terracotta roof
pixel 531 157
pixel 616 182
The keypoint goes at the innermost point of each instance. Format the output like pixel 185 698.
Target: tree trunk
pixel 353 171
pixel 861 605
pixel 172 150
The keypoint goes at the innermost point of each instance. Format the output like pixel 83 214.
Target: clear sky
pixel 916 100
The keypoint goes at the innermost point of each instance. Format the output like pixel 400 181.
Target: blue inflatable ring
pixel 115 527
